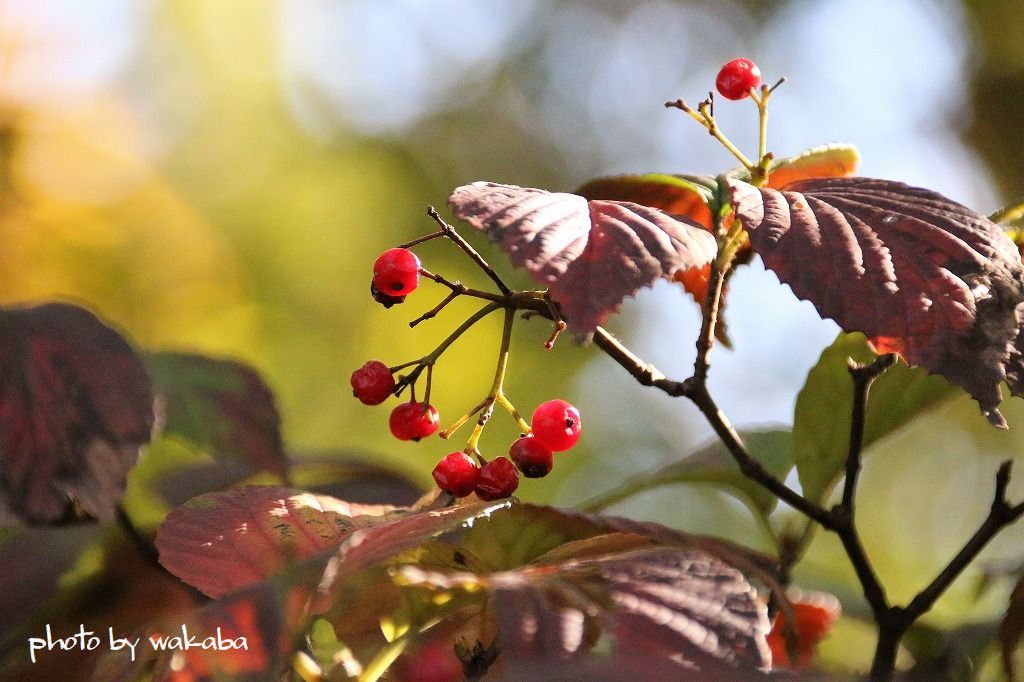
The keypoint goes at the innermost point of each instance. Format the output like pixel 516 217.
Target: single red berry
pixel 498 478
pixel 815 614
pixel 412 421
pixel 396 272
pixel 456 474
pixel 372 383
pixel 531 456
pixel 557 425
pixel 737 77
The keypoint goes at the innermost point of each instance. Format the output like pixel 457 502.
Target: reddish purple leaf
pixel 225 540
pixel 75 408
pixel 916 272
pixel 590 254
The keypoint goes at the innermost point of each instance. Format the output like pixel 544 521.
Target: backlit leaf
pixel 225 540
pixel 919 274
pixel 814 614
pixel 75 409
pixel 221 406
pixel 827 161
pixel 1011 629
pixel 821 420
pixel 591 255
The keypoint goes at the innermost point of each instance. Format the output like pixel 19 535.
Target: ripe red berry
pixel 384 299
pixel 737 77
pixel 531 456
pixel 557 425
pixel 456 474
pixel 372 383
pixel 396 272
pixel 815 614
pixel 412 421
pixel 498 478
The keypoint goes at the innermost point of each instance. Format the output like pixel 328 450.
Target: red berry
pixel 531 456
pixel 498 478
pixel 412 421
pixel 396 272
pixel 372 383
pixel 815 613
pixel 557 425
pixel 737 77
pixel 456 474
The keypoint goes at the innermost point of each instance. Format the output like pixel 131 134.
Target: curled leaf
pixel 75 409
pixel 919 274
pixel 591 255
pixel 673 194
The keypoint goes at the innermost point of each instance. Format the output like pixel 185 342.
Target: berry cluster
pixel 555 426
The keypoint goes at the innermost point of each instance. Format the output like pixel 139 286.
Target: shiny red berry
pixel 412 421
pixel 557 425
pixel 456 474
pixel 498 479
pixel 384 299
pixel 396 272
pixel 737 77
pixel 531 456
pixel 372 383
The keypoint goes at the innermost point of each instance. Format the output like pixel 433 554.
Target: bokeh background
pixel 219 175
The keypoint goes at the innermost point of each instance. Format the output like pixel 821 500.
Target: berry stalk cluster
pixel 555 425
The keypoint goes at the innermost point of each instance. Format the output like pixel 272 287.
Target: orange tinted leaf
pixel 815 613
pixel 670 193
pixel 225 540
pixel 827 161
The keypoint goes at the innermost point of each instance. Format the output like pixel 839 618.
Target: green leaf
pixel 220 406
pixel 821 423
pixel 714 465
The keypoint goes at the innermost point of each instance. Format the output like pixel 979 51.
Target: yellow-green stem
pixel 496 385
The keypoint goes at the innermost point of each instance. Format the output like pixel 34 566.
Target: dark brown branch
pixel 452 295
pixel 470 251
pixel 863 376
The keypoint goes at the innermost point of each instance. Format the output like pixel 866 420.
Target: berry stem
pixel 496 385
pixel 705 116
pixel 450 232
pixel 431 358
pixel 459 288
pixel 511 409
pixel 420 240
pixel 452 295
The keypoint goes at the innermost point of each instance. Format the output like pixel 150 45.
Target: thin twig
pixel 452 295
pixel 863 376
pixel 470 251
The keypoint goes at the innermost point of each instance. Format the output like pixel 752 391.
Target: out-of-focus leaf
pixel 75 409
pixel 673 194
pixel 821 421
pixel 592 255
pixel 1011 630
pixel 714 465
pixel 814 615
pixel 679 605
pixel 827 161
pixel 919 274
pixel 222 541
pixel 221 406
